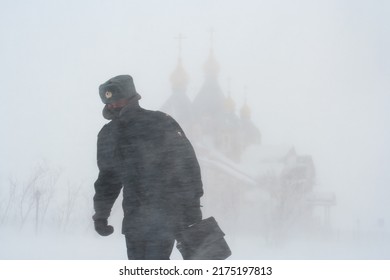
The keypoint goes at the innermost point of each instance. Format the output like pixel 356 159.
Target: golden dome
pixel 179 78
pixel 245 112
pixel 211 66
pixel 230 105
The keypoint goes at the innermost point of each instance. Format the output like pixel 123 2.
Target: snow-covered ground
pixel 81 245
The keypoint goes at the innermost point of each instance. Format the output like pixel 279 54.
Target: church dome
pixel 179 78
pixel 211 66
pixel 245 112
pixel 230 105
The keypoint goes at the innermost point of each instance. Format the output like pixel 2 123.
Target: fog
pixel 314 73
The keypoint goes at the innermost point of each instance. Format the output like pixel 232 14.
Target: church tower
pixel 230 105
pixel 215 112
pixel 178 104
pixel 209 102
pixel 250 133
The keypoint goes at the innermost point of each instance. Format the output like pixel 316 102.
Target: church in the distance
pixel 250 188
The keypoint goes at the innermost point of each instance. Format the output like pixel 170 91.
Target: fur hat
pixel 117 88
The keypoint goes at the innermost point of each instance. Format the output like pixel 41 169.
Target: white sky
pixel 316 72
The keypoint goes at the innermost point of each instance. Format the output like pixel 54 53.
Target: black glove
pixel 102 227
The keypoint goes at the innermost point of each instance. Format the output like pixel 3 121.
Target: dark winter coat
pixel 148 154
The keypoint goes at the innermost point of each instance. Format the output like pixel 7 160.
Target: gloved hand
pixel 102 227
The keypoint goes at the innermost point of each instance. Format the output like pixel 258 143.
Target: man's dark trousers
pixel 149 249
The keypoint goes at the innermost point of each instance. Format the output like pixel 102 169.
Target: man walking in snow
pixel 148 155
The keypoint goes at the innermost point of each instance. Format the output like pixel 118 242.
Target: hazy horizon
pixel 316 75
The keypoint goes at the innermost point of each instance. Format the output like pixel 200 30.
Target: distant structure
pixel 211 115
pixel 251 187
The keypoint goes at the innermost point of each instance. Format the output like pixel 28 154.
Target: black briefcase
pixel 203 241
